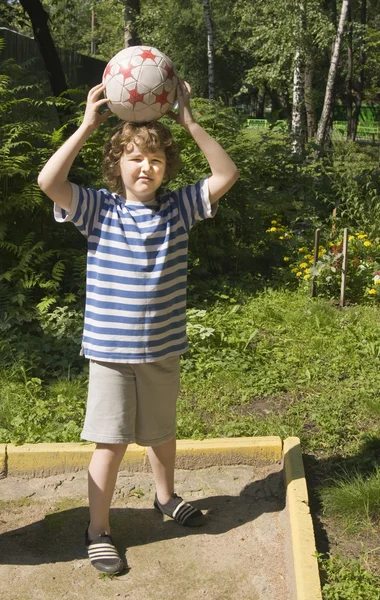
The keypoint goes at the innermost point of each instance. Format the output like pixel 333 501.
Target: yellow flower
pixel 368 244
pixel 307 276
pixel 307 270
pixel 286 258
pixel 361 236
pixel 273 229
pixel 372 291
pixel 351 237
pixel 303 265
pixel 302 249
pixel 273 222
pixel 331 244
pixel 377 281
pixel 281 237
pixel 322 249
pixel 311 260
pixel 299 273
pixel 295 270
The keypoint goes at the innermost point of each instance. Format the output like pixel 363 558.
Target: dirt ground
pixel 242 552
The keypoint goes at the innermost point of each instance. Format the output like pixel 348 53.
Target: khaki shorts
pixel 132 402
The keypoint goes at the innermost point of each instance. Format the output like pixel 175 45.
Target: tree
pixel 210 48
pixel 49 54
pixel 298 113
pixel 131 12
pixel 326 117
pixel 358 96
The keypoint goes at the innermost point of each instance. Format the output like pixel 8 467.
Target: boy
pixel 135 329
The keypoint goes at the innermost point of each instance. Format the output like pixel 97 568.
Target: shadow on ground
pixel 58 537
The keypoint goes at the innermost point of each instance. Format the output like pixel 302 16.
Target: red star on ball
pixel 170 71
pixel 162 98
pixel 147 54
pixel 107 71
pixel 126 70
pixel 134 96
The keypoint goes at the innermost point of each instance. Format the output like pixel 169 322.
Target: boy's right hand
pixel 92 118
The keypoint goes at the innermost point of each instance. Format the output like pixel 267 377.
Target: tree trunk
pixel 131 10
pixel 329 95
pixel 309 100
pixel 53 66
pixel 210 49
pixel 261 95
pixel 360 88
pixel 350 70
pixel 298 121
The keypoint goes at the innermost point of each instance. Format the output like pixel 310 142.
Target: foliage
pixel 277 364
pixel 348 580
pixel 363 266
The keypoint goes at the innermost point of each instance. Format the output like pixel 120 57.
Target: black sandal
pixel 181 511
pixel 103 553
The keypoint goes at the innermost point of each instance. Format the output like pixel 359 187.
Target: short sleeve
pixel 84 211
pixel 194 203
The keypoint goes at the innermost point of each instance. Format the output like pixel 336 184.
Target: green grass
pixel 354 499
pixel 277 364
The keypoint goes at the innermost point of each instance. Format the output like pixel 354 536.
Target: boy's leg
pixel 102 475
pixel 162 460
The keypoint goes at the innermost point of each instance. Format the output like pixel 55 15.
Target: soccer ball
pixel 141 84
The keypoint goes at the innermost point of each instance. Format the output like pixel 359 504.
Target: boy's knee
pixel 114 448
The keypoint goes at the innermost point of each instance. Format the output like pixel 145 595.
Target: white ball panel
pixel 150 76
pixel 123 112
pixel 172 96
pixel 114 89
pixel 147 114
pixel 141 88
pixel 149 98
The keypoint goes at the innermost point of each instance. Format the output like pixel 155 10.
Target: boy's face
pixel 142 173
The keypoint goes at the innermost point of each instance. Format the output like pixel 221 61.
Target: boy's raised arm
pixel 53 177
pixel 223 169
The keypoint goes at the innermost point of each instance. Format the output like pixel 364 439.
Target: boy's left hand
pixel 184 116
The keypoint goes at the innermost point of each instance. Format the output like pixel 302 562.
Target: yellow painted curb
pixel 308 586
pixel 200 454
pixel 48 459
pixel 3 461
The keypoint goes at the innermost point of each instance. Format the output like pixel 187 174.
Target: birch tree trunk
pixel 39 19
pixel 350 70
pixel 362 57
pixel 329 94
pixel 210 49
pixel 311 124
pixel 131 10
pixel 298 121
pixel 298 109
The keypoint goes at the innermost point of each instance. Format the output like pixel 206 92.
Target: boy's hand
pixel 184 116
pixel 92 118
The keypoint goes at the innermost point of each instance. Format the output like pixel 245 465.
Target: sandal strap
pixel 103 554
pixel 181 511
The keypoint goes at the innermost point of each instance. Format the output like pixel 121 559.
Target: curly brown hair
pixel 150 137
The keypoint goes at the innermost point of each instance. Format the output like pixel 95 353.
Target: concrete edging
pixel 49 459
pixel 308 586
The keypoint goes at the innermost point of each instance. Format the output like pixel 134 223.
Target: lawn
pixel 279 363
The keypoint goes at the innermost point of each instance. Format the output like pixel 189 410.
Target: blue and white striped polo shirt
pixel 136 270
